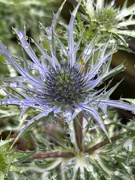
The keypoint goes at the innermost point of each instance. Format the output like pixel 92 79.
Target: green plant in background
pixel 111 20
pixel 20 13
pixel 65 102
pixel 8 159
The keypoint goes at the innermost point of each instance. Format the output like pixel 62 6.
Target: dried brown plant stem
pixel 107 141
pixel 102 143
pixel 78 125
pixel 57 154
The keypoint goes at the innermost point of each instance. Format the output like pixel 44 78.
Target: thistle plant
pixel 114 21
pixel 69 86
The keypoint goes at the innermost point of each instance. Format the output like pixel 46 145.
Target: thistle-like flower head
pixel 65 85
pixel 112 20
pixel 63 80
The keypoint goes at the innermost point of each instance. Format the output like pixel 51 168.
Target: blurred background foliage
pixel 18 13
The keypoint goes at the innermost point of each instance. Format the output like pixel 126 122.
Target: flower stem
pixel 78 125
pixel 101 144
pixel 105 142
pixel 57 154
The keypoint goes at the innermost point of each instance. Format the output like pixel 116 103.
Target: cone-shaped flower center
pixel 65 85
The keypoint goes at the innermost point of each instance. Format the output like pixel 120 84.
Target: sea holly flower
pixel 57 83
pixel 112 20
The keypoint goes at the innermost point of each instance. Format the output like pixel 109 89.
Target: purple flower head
pixel 61 81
